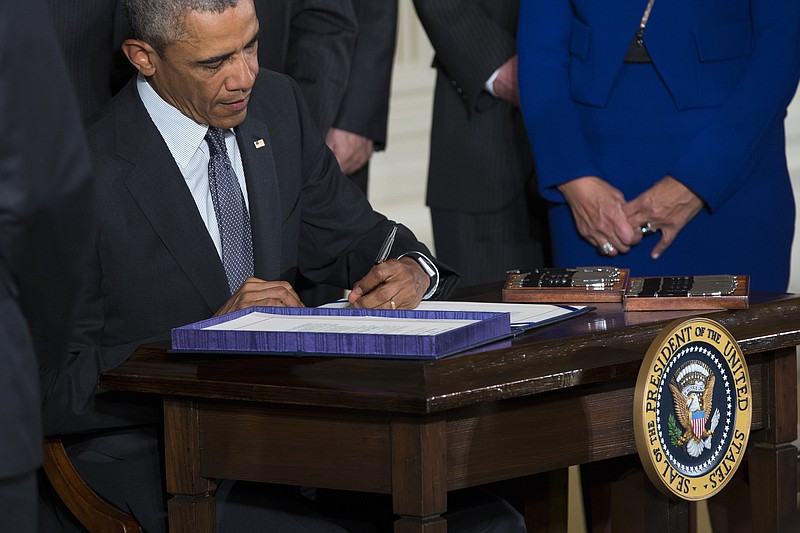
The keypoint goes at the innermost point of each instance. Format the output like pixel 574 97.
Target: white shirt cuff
pixel 489 85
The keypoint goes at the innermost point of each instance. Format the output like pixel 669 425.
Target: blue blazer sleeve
pixel 722 155
pixel 551 115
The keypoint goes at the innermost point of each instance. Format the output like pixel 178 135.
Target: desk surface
pixel 603 344
pixel 476 417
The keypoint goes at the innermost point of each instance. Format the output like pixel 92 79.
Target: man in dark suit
pixel 481 179
pixel 340 53
pixel 158 254
pixel 44 237
pixel 312 41
pixel 363 115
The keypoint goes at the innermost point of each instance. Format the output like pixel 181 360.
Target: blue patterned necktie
pixel 231 212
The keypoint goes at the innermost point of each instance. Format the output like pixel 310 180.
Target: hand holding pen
pixel 391 283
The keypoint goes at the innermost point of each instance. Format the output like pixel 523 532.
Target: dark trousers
pixel 482 247
pixel 18 504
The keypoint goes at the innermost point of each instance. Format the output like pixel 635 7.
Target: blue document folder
pixel 343 332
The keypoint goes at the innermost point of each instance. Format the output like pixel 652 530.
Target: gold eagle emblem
pixel 692 397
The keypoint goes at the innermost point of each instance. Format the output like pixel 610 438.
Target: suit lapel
pixel 263 193
pixel 160 191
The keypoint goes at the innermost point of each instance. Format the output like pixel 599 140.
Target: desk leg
pixel 621 498
pixel 665 514
pixel 191 508
pixel 547 501
pixel 773 458
pixel 419 475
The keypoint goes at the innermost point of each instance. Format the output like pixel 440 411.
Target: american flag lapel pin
pixel 259 143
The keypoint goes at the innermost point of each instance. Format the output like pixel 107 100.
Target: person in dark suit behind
pixel 44 235
pixel 340 53
pixel 362 118
pixel 312 41
pixel 481 181
pixel 160 259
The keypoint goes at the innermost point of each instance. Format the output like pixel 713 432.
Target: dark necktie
pixel 231 212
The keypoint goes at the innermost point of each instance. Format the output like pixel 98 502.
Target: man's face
pixel 209 74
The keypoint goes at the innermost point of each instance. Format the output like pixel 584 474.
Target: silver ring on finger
pixel 647 229
pixel 606 248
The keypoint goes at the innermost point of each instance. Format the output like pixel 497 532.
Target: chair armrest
pixel 95 513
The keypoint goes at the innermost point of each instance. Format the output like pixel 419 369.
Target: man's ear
pixel 141 55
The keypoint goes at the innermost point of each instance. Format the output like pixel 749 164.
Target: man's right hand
pixel 257 292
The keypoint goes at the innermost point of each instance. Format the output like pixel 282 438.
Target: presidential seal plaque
pixel 692 409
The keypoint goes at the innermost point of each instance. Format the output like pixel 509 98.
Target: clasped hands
pixel 613 225
pixel 393 284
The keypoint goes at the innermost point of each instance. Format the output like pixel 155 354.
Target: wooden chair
pixel 94 512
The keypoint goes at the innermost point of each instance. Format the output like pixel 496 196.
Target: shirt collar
pixel 182 135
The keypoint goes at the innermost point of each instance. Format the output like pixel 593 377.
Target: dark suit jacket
pixel 479 157
pixel 44 223
pixel 155 266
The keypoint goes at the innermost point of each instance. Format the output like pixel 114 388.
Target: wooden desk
pixel 555 397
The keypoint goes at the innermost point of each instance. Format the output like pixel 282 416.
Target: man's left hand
pixel 352 151
pixel 506 86
pixel 393 284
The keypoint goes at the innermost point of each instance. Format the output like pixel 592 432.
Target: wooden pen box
pixel 738 299
pixel 515 290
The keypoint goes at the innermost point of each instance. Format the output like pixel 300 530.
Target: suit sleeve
pixel 551 116
pixel 340 232
pixel 364 108
pixel 722 155
pixel 469 44
pixel 322 36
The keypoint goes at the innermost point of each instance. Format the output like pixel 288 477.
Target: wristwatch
pixel 429 268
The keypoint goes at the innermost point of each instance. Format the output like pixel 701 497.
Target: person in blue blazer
pixel 680 130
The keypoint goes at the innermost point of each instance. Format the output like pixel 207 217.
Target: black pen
pixel 383 254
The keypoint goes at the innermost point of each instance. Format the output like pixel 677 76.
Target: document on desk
pixel 524 316
pixel 367 325
pixel 341 331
